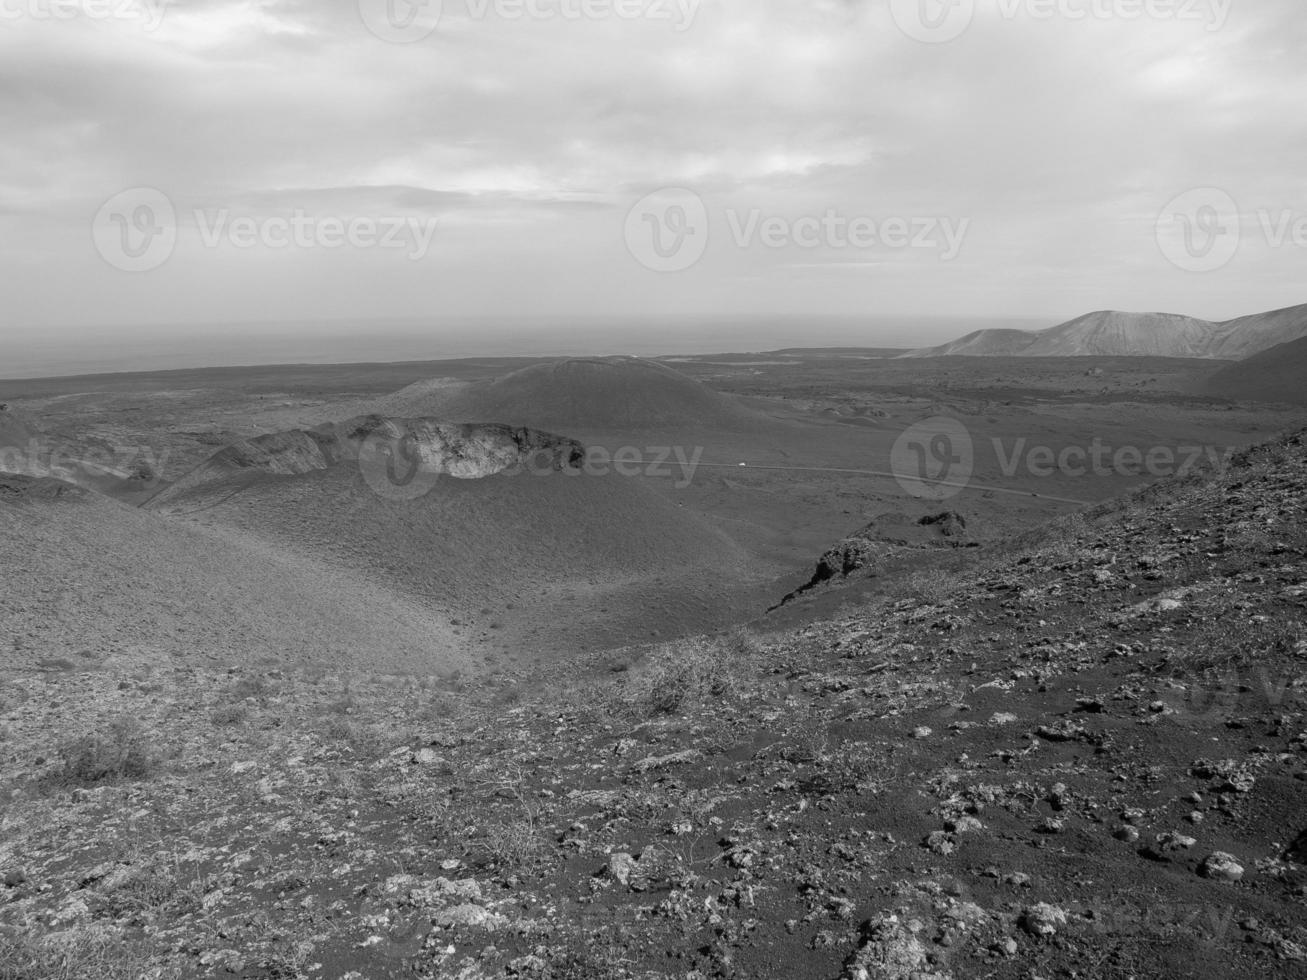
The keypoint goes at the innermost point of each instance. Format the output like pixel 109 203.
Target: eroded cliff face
pixel 460 451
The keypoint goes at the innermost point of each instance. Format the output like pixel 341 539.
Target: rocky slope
pixel 1081 755
pixel 1116 334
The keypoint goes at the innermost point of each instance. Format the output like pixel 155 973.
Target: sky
pixel 171 166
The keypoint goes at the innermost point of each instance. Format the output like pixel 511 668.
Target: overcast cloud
pixel 503 154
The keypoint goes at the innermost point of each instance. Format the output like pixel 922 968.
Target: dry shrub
pixel 122 751
pixel 229 715
pixel 679 675
pixel 160 890
pixel 364 741
pixel 76 955
pixel 515 844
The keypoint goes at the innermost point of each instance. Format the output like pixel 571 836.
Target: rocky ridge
pixel 388 446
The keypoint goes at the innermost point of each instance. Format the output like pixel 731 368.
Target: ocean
pixel 61 352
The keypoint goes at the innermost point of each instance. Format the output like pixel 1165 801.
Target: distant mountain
pixel 1251 335
pixel 1275 375
pixel 1113 334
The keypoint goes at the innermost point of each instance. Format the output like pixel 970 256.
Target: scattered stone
pixel 471 917
pixel 664 761
pixel 1061 731
pixel 1042 919
pixel 941 842
pixel 1236 783
pixel 1059 796
pixel 1220 866
pixel 621 867
pixel 964 825
pixel 1174 841
pixel 842 907
pixel 441 890
pixel 891 949
pixel 1288 950
pixel 1229 775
